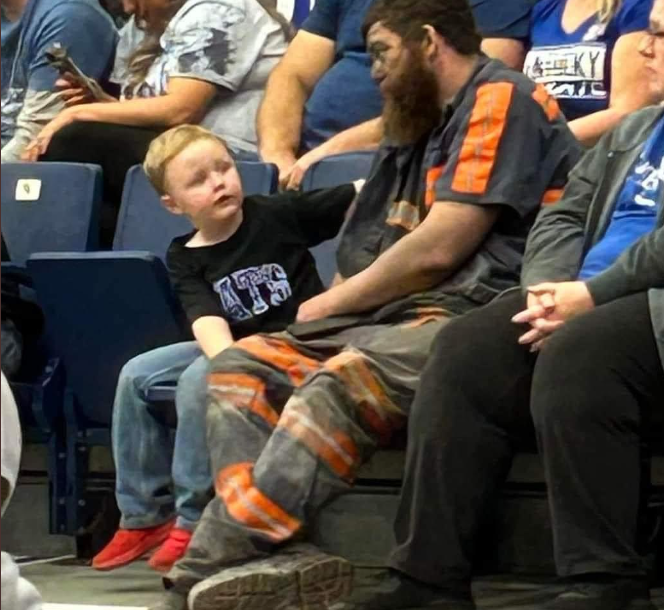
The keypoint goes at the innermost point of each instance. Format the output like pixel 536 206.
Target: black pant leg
pixel 115 147
pixel 595 387
pixel 470 410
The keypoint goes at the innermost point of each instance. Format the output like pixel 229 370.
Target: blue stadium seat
pixel 333 171
pixel 50 207
pixel 113 306
pixel 144 223
pixel 46 206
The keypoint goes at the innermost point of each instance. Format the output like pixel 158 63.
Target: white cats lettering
pixel 251 292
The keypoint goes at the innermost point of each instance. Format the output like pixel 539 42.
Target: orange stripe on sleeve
pixel 480 146
pixel 432 177
pixel 250 507
pixel 552 196
pixel 546 101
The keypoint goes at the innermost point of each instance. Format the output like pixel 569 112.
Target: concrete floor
pixel 71 586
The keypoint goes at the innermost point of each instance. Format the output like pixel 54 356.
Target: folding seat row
pixel 103 308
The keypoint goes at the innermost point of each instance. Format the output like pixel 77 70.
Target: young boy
pixel 245 268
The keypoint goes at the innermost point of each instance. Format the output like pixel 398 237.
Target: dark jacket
pixel 563 233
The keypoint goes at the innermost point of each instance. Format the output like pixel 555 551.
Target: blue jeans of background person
pixel 157 478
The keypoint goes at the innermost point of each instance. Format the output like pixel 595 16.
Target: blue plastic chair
pixel 329 172
pixel 113 306
pixel 50 207
pixel 144 223
pixel 47 206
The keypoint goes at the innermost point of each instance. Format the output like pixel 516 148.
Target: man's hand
pixel 550 305
pixel 292 179
pixel 318 307
pixel 284 160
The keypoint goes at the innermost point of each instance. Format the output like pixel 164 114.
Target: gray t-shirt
pixel 233 44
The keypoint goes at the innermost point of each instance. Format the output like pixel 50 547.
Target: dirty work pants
pixel 290 420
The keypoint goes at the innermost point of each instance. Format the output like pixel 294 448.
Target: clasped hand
pixel 549 306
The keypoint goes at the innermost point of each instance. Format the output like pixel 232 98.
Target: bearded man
pixel 472 150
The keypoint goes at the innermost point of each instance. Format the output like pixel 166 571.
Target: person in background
pixel 15 592
pixel 201 61
pixel 29 28
pixel 245 268
pixel 586 53
pixel 320 99
pixel 575 361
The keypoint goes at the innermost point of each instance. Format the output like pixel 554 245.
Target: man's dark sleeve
pixel 503 18
pixel 507 153
pixel 320 214
pixel 555 243
pixel 323 19
pixel 554 250
pixel 196 296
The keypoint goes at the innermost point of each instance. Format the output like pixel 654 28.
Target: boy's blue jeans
pixel 156 478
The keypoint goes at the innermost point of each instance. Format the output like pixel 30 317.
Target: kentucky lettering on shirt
pixel 575 71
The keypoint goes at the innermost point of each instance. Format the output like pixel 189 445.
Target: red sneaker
pixel 128 545
pixel 168 553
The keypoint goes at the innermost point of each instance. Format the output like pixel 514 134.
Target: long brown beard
pixel 412 110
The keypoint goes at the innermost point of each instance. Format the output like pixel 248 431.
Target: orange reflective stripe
pixel 480 146
pixel 403 214
pixel 250 507
pixel 281 355
pixel 335 448
pixel 433 174
pixel 376 408
pixel 552 196
pixel 548 103
pixel 244 391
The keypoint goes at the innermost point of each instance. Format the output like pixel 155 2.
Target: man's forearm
pixel 406 268
pixel 39 108
pixel 279 121
pixel 365 136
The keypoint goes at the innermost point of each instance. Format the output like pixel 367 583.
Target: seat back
pixel 329 172
pixel 114 306
pixel 144 223
pixel 338 169
pixel 50 207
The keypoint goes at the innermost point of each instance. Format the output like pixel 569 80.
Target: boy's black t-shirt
pixel 257 278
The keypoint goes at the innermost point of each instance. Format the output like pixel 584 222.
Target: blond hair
pixel 170 144
pixel 607 9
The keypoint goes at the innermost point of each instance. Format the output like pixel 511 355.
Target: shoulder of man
pixel 497 88
pixel 79 9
